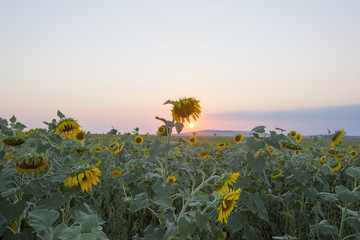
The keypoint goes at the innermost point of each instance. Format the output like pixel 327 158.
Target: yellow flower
pixel 115 173
pixel 31 162
pixel 97 149
pixel 146 153
pixel 9 157
pixel 204 155
pixel 298 137
pixel 278 174
pixel 67 127
pixel 128 134
pixel 28 133
pixel 353 153
pixel 314 167
pixel 139 140
pixel 227 179
pixel 336 138
pixel 270 149
pixel 292 133
pixel 171 179
pixel 337 167
pixel 79 136
pixel 12 141
pixel 333 152
pixel 161 130
pixel 221 145
pixel 85 179
pixel 115 148
pixel 238 138
pixel 185 108
pixel 133 165
pixel 227 205
pixel 339 158
pixel 192 140
pixel 296 152
pixel 323 158
pixel 96 161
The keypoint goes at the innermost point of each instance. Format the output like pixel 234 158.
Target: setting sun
pixel 191 125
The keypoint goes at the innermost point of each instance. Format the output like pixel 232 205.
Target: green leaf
pixel 254 203
pixel 256 163
pixel 243 182
pixel 201 219
pixel 347 196
pixel 259 129
pixel 19 126
pixel 153 233
pixel 253 144
pixel 55 201
pixel 311 193
pixel 157 147
pixel 140 201
pixel 237 221
pixel 171 230
pixel 13 119
pixel 163 201
pixel 42 219
pixel 353 172
pixel 11 211
pixel 59 229
pixel 161 189
pixel 71 233
pixel 185 227
pixel 60 115
pixel 87 222
pixel 328 197
pixel 323 228
pixel 179 127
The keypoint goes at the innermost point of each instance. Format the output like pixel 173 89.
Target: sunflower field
pixel 62 183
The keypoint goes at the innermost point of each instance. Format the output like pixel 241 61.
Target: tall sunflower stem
pixel 343 215
pixel 67 210
pixel 208 206
pixel 18 220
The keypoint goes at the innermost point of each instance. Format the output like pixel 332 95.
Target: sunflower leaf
pixel 60 115
pixel 11 211
pixel 185 227
pixel 13 119
pixel 353 172
pixel 201 219
pixel 140 201
pixel 42 219
pixel 259 129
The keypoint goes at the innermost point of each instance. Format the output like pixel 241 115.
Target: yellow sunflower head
pixel 97 148
pixel 333 152
pixel 31 162
pixel 115 173
pixel 85 178
pixel 298 137
pixel 139 140
pixel 13 141
pixel 79 136
pixel 67 127
pixel 353 153
pixel 204 154
pixel 161 130
pixel 9 157
pixel 171 179
pixel 185 108
pixel 336 167
pixel 221 145
pixel 239 138
pixel 270 149
pixel 280 173
pixel 336 137
pixel 226 180
pixel 192 140
pixel 28 133
pixel 227 203
pixel 292 133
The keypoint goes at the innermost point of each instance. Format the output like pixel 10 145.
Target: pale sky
pixel 114 63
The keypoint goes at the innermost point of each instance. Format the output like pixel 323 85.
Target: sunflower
pixel 97 148
pixel 13 141
pixel 280 173
pixel 221 145
pixel 292 133
pixel 337 167
pixel 204 154
pixel 9 157
pixel 270 149
pixel 28 133
pixel 80 150
pixel 238 138
pixel 226 204
pixel 226 180
pixel 139 140
pixel 296 152
pixel 133 165
pixel 353 153
pixel 336 138
pixel 340 158
pixel 298 137
pixel 171 179
pixel 115 148
pixel 185 108
pixel 79 136
pixel 31 162
pixel 333 152
pixel 161 130
pixel 96 161
pixel 67 127
pixel 115 173
pixel 192 140
pixel 85 178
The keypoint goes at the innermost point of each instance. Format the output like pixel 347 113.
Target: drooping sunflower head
pixel 185 108
pixel 171 179
pixel 81 150
pixel 336 167
pixel 226 180
pixel 86 177
pixel 296 152
pixel 291 145
pixel 67 127
pixel 9 157
pixel 28 133
pixel 138 140
pixel 97 148
pixel 79 136
pixel 292 133
pixel 13 141
pixel 353 153
pixel 221 145
pixel 204 154
pixel 115 173
pixel 31 162
pixel 333 152
pixel 161 130
pixel 239 138
pixel 270 148
pixel 227 203
pixel 336 137
pixel 298 137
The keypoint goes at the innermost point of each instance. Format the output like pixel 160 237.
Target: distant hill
pixel 218 133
